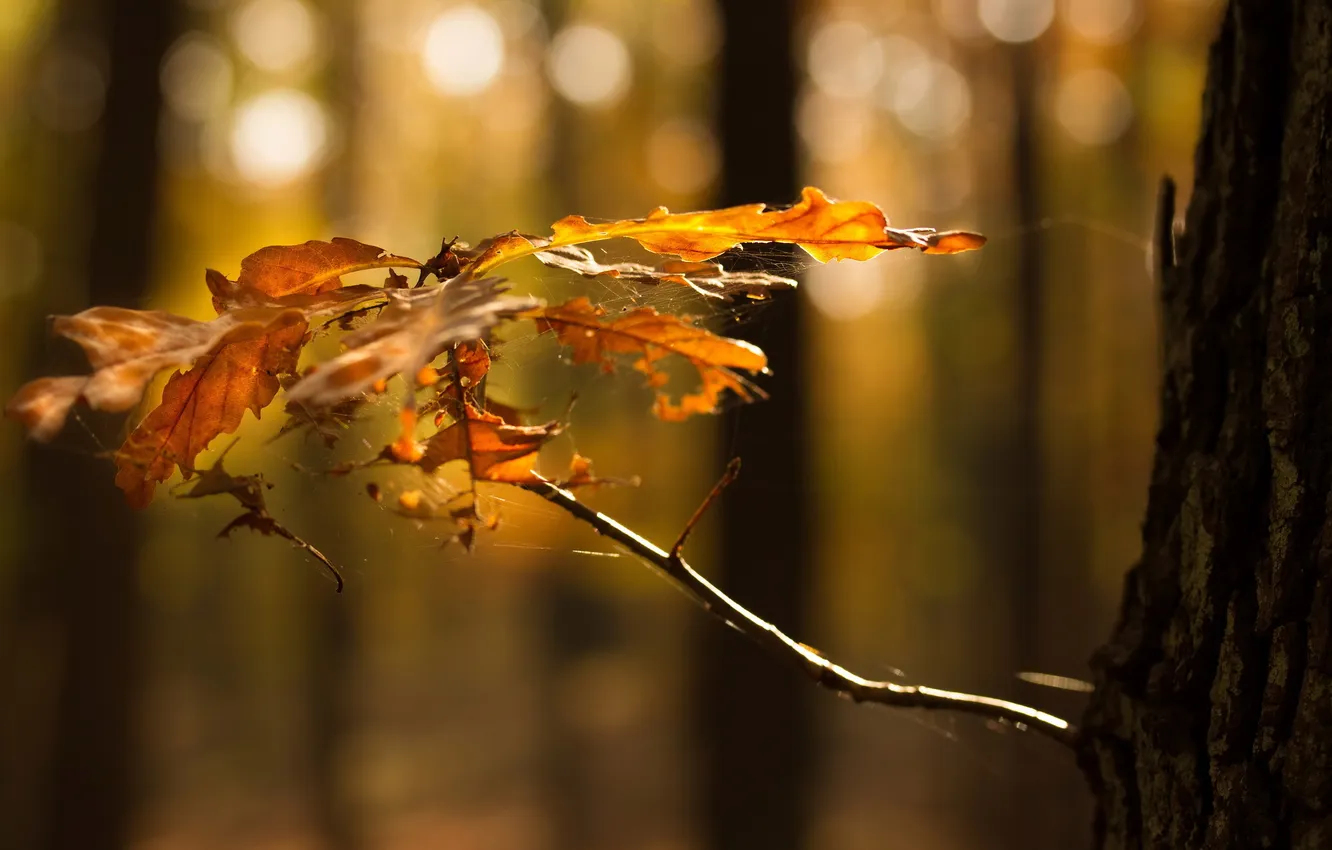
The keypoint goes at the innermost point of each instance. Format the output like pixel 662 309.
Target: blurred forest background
pixel 948 481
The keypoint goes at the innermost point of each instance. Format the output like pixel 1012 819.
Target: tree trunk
pixel 1211 723
pixel 755 764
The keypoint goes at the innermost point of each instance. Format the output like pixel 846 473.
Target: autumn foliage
pixel 432 334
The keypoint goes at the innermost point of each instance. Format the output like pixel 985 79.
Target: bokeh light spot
pixel 69 91
pixel 932 100
pixel 1016 21
pixel 1101 21
pixel 276 35
pixel 197 77
pixel 682 156
pixel 589 65
pixel 834 129
pixel 844 59
pixel 463 51
pixel 278 137
pixel 1093 106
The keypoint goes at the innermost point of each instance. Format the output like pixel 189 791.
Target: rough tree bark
pixel 1211 723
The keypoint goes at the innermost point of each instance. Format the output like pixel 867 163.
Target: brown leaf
pixel 416 327
pixel 324 304
pixel 595 337
pixel 329 423
pixel 249 491
pixel 493 449
pixel 312 267
pixel 126 348
pixel 460 508
pixel 43 405
pixel 824 228
pixel 207 400
pixel 708 279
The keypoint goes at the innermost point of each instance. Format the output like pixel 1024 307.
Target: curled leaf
pixel 416 327
pixel 311 267
pixel 43 405
pixel 707 279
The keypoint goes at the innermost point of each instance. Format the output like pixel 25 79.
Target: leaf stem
pixel 823 671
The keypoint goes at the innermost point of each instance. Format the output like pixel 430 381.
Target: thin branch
pixel 820 669
pixel 732 470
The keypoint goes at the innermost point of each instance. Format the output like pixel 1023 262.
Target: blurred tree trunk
pixel 754 713
pixel 332 673
pixel 88 544
pixel 1211 723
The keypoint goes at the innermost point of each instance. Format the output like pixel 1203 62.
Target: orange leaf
pixel 207 400
pixel 826 229
pixel 595 337
pixel 494 450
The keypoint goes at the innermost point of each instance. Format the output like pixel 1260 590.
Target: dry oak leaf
pixel 460 508
pixel 207 400
pixel 595 337
pixel 826 229
pixel 126 348
pixel 493 449
pixel 707 279
pixel 312 267
pixel 413 330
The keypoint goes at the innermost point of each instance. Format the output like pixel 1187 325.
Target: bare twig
pixel 732 470
pixel 820 669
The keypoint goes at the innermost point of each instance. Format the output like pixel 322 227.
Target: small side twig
pixel 732 470
pixel 823 671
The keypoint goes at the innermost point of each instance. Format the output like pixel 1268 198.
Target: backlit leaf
pixel 493 449
pixel 824 228
pixel 595 337
pixel 207 400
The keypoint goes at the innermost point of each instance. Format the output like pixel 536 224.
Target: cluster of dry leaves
pixel 432 334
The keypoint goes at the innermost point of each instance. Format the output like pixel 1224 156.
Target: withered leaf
pixel 413 330
pixel 329 423
pixel 493 449
pixel 461 508
pixel 708 279
pixel 826 229
pixel 43 405
pixel 249 491
pixel 313 266
pixel 207 400
pixel 126 348
pixel 596 337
